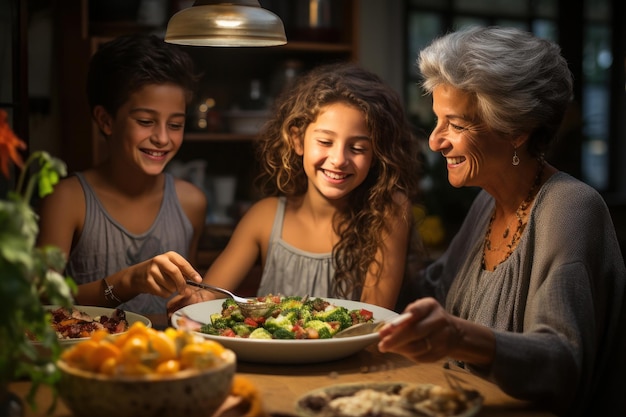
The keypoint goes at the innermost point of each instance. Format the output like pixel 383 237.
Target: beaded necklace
pixel 520 214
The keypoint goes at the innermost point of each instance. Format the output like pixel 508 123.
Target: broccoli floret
pixel 291 303
pixel 229 304
pixel 242 330
pixel 305 313
pixel 237 315
pixel 294 310
pixel 260 333
pixel 282 321
pixel 231 309
pixel 283 334
pixel 323 329
pixel 233 313
pixel 338 314
pixel 220 322
pixel 210 329
pixel 295 305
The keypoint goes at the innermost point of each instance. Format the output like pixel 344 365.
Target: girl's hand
pixel 431 334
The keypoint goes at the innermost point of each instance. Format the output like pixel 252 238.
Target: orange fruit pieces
pixel 163 345
pixel 78 354
pixel 134 350
pixel 143 350
pixel 104 351
pixel 168 367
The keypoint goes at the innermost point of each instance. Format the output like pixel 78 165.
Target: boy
pixel 127 226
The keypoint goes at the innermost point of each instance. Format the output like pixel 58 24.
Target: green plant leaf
pixel 30 276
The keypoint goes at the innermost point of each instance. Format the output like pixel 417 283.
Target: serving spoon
pixel 249 307
pixel 367 328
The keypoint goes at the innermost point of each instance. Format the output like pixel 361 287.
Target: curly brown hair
pixel 395 166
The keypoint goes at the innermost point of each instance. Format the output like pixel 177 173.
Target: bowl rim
pixel 228 358
pixel 130 316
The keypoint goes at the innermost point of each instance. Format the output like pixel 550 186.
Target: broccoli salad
pixel 289 318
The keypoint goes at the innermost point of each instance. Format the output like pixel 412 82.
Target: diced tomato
pixel 251 322
pixel 299 332
pixel 228 333
pixel 366 314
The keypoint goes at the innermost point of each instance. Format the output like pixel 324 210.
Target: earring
pixel 515 158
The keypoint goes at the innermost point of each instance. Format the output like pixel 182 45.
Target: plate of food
pixel 79 323
pixel 292 333
pixel 390 399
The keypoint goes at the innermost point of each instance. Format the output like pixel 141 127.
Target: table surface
pixel 281 385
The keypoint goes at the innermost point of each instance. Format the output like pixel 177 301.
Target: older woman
pixel 530 293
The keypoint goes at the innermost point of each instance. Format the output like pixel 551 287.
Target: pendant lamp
pixel 226 23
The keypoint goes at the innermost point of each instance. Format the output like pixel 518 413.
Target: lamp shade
pixel 217 23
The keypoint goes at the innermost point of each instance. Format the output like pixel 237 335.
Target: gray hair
pixel 520 82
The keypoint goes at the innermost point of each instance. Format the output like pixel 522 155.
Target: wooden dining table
pixel 280 386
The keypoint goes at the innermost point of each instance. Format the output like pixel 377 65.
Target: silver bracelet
pixel 108 293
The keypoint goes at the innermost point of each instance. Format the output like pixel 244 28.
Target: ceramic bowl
pixel 189 393
pixel 95 312
pixel 45 353
pixel 293 352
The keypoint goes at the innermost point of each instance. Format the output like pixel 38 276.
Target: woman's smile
pixel 451 161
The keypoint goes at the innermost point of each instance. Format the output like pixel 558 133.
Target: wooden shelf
pixel 218 137
pixel 324 47
pixel 226 77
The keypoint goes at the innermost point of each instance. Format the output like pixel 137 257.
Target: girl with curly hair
pixel 339 173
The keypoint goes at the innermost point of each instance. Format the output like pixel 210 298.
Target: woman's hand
pixel 433 333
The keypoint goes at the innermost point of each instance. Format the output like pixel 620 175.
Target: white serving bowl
pixel 287 351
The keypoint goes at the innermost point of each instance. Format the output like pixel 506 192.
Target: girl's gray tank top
pixel 290 271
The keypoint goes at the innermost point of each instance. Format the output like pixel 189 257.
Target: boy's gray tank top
pixel 291 271
pixel 106 247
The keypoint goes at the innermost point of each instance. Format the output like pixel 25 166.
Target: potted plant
pixel 29 276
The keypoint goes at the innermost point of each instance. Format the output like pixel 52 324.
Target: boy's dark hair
pixel 127 63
